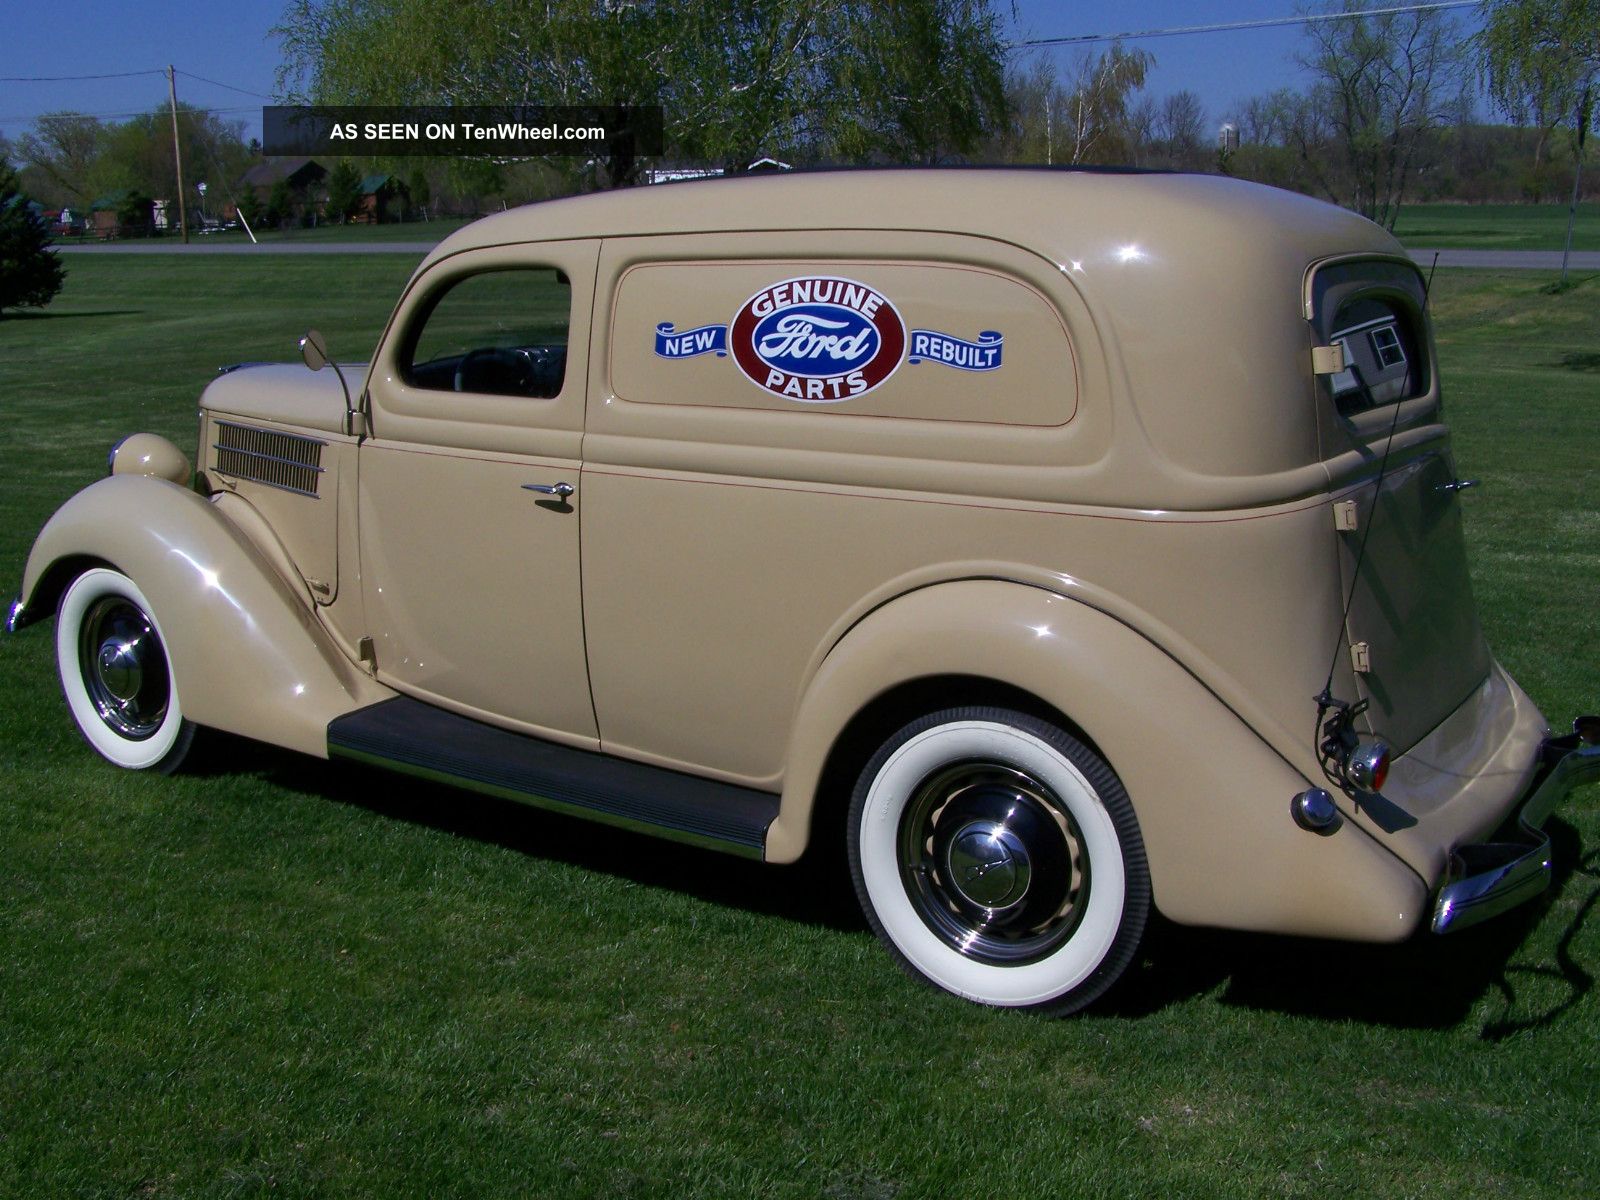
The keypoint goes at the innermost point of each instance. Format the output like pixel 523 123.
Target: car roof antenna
pixel 1335 735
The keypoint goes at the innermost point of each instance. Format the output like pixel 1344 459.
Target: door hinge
pixel 1361 658
pixel 368 655
pixel 1346 516
pixel 1328 360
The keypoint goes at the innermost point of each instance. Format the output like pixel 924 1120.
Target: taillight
pixel 1366 767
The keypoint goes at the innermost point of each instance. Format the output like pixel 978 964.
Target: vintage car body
pixel 1038 507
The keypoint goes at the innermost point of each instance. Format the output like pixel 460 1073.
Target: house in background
pixel 383 198
pixel 306 178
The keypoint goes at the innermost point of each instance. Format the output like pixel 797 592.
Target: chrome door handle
pixel 1458 485
pixel 560 490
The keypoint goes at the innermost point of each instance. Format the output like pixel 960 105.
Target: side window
pixel 501 333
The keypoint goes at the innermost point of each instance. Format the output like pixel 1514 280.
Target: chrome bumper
pixel 1488 878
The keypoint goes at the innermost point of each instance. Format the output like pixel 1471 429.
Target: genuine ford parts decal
pixel 686 343
pixel 981 355
pixel 818 338
pixel 821 339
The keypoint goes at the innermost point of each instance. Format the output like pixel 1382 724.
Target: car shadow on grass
pixel 815 891
pixel 1426 982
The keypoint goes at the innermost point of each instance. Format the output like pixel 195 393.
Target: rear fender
pixel 1211 797
pixel 247 653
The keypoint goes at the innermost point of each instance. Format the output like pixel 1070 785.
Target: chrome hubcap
pixel 124 668
pixel 988 865
pixel 993 863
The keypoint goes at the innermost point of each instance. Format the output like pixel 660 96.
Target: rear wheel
pixel 999 858
pixel 116 674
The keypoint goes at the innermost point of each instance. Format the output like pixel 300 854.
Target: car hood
pixel 284 393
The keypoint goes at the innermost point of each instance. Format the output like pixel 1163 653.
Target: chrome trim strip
pixel 282 487
pixel 17 617
pixel 298 437
pixel 277 458
pixel 1512 873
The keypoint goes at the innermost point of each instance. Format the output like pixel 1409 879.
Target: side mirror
pixel 314 350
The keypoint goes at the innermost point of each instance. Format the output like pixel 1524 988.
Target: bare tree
pixel 1143 133
pixel 1542 59
pixel 64 148
pixel 1180 124
pixel 1383 80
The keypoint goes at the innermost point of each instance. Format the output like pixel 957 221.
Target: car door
pixel 1416 646
pixel 470 493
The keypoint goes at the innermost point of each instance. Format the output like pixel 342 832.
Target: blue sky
pixel 228 42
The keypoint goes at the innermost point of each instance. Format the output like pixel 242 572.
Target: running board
pixel 406 735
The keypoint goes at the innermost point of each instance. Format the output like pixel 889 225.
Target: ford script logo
pixel 818 339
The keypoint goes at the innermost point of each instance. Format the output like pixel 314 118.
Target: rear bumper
pixel 1487 878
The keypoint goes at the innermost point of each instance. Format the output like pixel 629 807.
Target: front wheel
pixel 999 858
pixel 116 674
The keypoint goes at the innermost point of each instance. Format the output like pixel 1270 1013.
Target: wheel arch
pixel 249 654
pixel 1211 797
pixel 897 707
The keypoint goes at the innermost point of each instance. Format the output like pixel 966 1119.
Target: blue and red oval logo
pixel 818 339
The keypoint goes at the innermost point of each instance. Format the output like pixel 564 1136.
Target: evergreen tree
pixel 30 274
pixel 280 203
pixel 250 207
pixel 344 192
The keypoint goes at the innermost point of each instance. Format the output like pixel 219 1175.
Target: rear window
pixel 1374 310
pixel 1380 353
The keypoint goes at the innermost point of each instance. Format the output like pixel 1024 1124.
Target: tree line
pixel 1392 111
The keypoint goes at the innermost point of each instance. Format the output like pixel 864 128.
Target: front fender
pixel 1212 798
pixel 247 653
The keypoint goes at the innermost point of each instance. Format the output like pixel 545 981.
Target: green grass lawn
pixel 1497 226
pixel 283 977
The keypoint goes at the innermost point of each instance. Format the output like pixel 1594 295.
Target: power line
pixel 1231 26
pixel 229 86
pixel 119 116
pixel 72 78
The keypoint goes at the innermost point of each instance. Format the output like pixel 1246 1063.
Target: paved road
pixel 1532 260
pixel 1529 260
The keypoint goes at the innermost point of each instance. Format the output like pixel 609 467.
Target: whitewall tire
pixel 999 859
pixel 116 674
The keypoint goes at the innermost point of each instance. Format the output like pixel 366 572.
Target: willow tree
pixel 1541 61
pixel 905 79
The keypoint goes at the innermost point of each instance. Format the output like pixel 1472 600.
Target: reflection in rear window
pixel 1380 354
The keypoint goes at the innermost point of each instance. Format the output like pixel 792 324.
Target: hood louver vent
pixel 280 460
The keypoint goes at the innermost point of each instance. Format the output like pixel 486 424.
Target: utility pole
pixel 177 153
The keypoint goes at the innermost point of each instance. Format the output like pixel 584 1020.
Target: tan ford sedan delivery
pixel 1067 545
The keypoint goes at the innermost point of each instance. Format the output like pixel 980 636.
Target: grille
pixel 280 460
